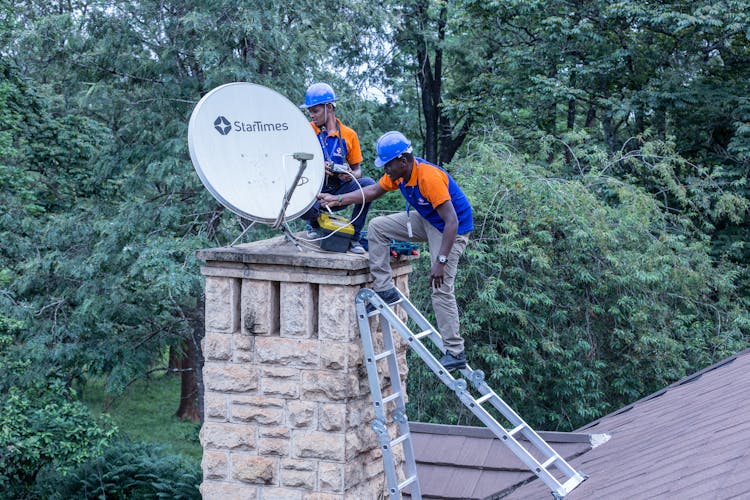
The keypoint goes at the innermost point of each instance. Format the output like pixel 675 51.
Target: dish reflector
pixel 242 138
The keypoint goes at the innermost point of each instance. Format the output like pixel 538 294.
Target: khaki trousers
pixel 382 230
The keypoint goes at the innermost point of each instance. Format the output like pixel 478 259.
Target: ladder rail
pixel 379 402
pixel 399 413
pixel 389 321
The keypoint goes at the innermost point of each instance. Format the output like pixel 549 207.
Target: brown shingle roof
pixel 469 462
pixel 689 440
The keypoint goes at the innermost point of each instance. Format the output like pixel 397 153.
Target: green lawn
pixel 146 413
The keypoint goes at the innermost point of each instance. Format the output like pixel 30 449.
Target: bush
pixel 126 470
pixel 42 429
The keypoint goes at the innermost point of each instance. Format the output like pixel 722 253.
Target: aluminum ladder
pixel 539 463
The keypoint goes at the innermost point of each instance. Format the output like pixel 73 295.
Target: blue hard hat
pixel 391 145
pixel 318 93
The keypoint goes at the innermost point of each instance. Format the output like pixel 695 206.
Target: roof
pixel 470 462
pixel 688 440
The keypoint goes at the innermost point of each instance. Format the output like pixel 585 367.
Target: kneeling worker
pixel 443 219
pixel 342 156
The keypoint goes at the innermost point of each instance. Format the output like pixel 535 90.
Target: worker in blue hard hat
pixel 438 212
pixel 342 157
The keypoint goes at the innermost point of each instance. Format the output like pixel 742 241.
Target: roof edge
pixel 484 432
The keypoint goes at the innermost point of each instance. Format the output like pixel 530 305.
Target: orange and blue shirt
pixel 341 146
pixel 429 187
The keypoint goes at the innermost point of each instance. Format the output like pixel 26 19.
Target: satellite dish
pixel 256 152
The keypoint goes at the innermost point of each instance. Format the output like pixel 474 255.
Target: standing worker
pixel 342 157
pixel 438 212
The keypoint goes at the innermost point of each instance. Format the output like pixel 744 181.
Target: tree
pixel 122 284
pixel 429 52
pixel 580 295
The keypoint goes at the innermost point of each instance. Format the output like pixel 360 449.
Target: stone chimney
pixel 287 403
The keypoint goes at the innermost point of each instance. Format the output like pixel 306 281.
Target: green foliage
pixel 145 412
pixel 581 295
pixel 126 470
pixel 610 244
pixel 41 426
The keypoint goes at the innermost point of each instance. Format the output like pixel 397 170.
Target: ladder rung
pixel 423 334
pixel 517 429
pixel 550 461
pixel 484 398
pixel 383 354
pixel 398 440
pixel 407 482
pixel 391 397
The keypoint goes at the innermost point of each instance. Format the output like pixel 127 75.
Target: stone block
pixel 337 317
pixel 217 346
pixel 215 435
pixel 361 440
pixel 333 355
pixel 331 417
pixel 322 496
pixel 275 432
pixel 255 470
pixel 318 445
pixel 222 304
pixel 260 307
pixel 281 382
pixel 368 489
pixel 215 406
pixel 325 386
pixel 354 473
pixel 215 464
pixel 297 310
pixel 300 414
pixel 273 447
pixel 287 352
pixel 299 474
pixel 262 411
pixel 229 377
pixel 330 477
pixel 281 494
pixel 244 349
pixel 214 490
pixel 374 471
pixel 360 413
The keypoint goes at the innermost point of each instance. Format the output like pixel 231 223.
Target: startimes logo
pixel 222 125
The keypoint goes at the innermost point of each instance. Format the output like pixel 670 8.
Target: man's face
pixel 318 113
pixel 396 168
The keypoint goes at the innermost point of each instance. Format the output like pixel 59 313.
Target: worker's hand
pixel 327 165
pixel 345 177
pixel 437 273
pixel 328 200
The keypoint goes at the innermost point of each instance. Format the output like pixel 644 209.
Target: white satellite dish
pixel 256 152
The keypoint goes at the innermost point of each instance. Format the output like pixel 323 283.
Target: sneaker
pixel 453 362
pixel 390 296
pixel 313 233
pixel 356 247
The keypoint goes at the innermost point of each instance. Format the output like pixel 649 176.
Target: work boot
pixel 390 296
pixel 313 232
pixel 453 362
pixel 356 247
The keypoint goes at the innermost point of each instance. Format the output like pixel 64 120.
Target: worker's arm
pixel 371 192
pixel 448 213
pixel 355 171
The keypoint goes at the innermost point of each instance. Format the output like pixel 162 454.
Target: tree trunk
pixel 191 370
pixel 175 360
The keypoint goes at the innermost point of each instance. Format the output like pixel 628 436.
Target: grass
pixel 146 413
